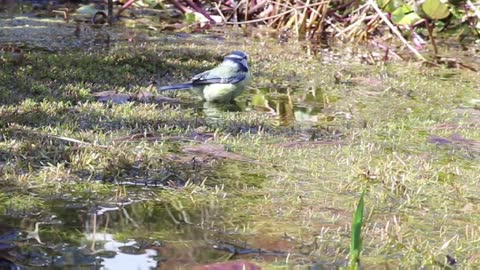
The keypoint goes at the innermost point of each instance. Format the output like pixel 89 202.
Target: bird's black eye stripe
pixel 242 68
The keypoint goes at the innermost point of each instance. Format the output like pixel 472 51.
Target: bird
pixel 221 84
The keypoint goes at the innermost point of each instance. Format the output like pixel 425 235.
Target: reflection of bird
pixel 221 84
pixel 214 112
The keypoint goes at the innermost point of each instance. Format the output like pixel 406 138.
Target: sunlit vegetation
pixel 91 153
pixel 381 23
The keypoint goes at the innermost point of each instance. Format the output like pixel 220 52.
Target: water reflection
pixel 287 106
pixel 304 105
pixel 122 255
pixel 135 235
pixel 215 112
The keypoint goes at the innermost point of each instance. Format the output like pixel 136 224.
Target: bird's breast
pixel 222 92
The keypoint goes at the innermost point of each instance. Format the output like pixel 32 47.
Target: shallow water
pixel 134 235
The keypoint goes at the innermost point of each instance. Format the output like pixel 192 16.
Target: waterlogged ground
pixel 98 169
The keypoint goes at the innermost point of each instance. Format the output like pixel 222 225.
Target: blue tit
pixel 222 83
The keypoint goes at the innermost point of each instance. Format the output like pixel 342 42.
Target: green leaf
pixel 86 10
pixel 390 5
pixel 356 245
pixel 435 9
pixel 190 17
pixel 404 15
pixel 259 100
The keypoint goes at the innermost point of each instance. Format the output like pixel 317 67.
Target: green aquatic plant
pixel 356 245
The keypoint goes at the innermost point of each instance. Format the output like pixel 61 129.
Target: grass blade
pixel 356 245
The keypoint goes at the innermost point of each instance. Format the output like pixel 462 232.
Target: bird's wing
pixel 175 86
pixel 208 77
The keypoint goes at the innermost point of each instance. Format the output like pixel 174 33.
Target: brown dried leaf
pixel 215 151
pixel 458 141
pixel 228 266
pixel 113 96
pixel 167 100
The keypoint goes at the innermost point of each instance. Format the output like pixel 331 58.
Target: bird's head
pixel 237 56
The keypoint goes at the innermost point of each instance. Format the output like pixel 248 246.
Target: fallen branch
pixel 293 9
pixel 474 9
pixel 61 138
pixel 395 30
pixel 199 10
pixel 179 6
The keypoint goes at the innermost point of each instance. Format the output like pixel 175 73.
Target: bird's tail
pixel 175 87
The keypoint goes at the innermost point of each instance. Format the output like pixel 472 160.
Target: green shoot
pixel 356 245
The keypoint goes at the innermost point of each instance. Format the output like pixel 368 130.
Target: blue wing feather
pixel 208 78
pixel 175 86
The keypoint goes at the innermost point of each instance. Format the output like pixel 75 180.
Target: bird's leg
pixel 196 115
